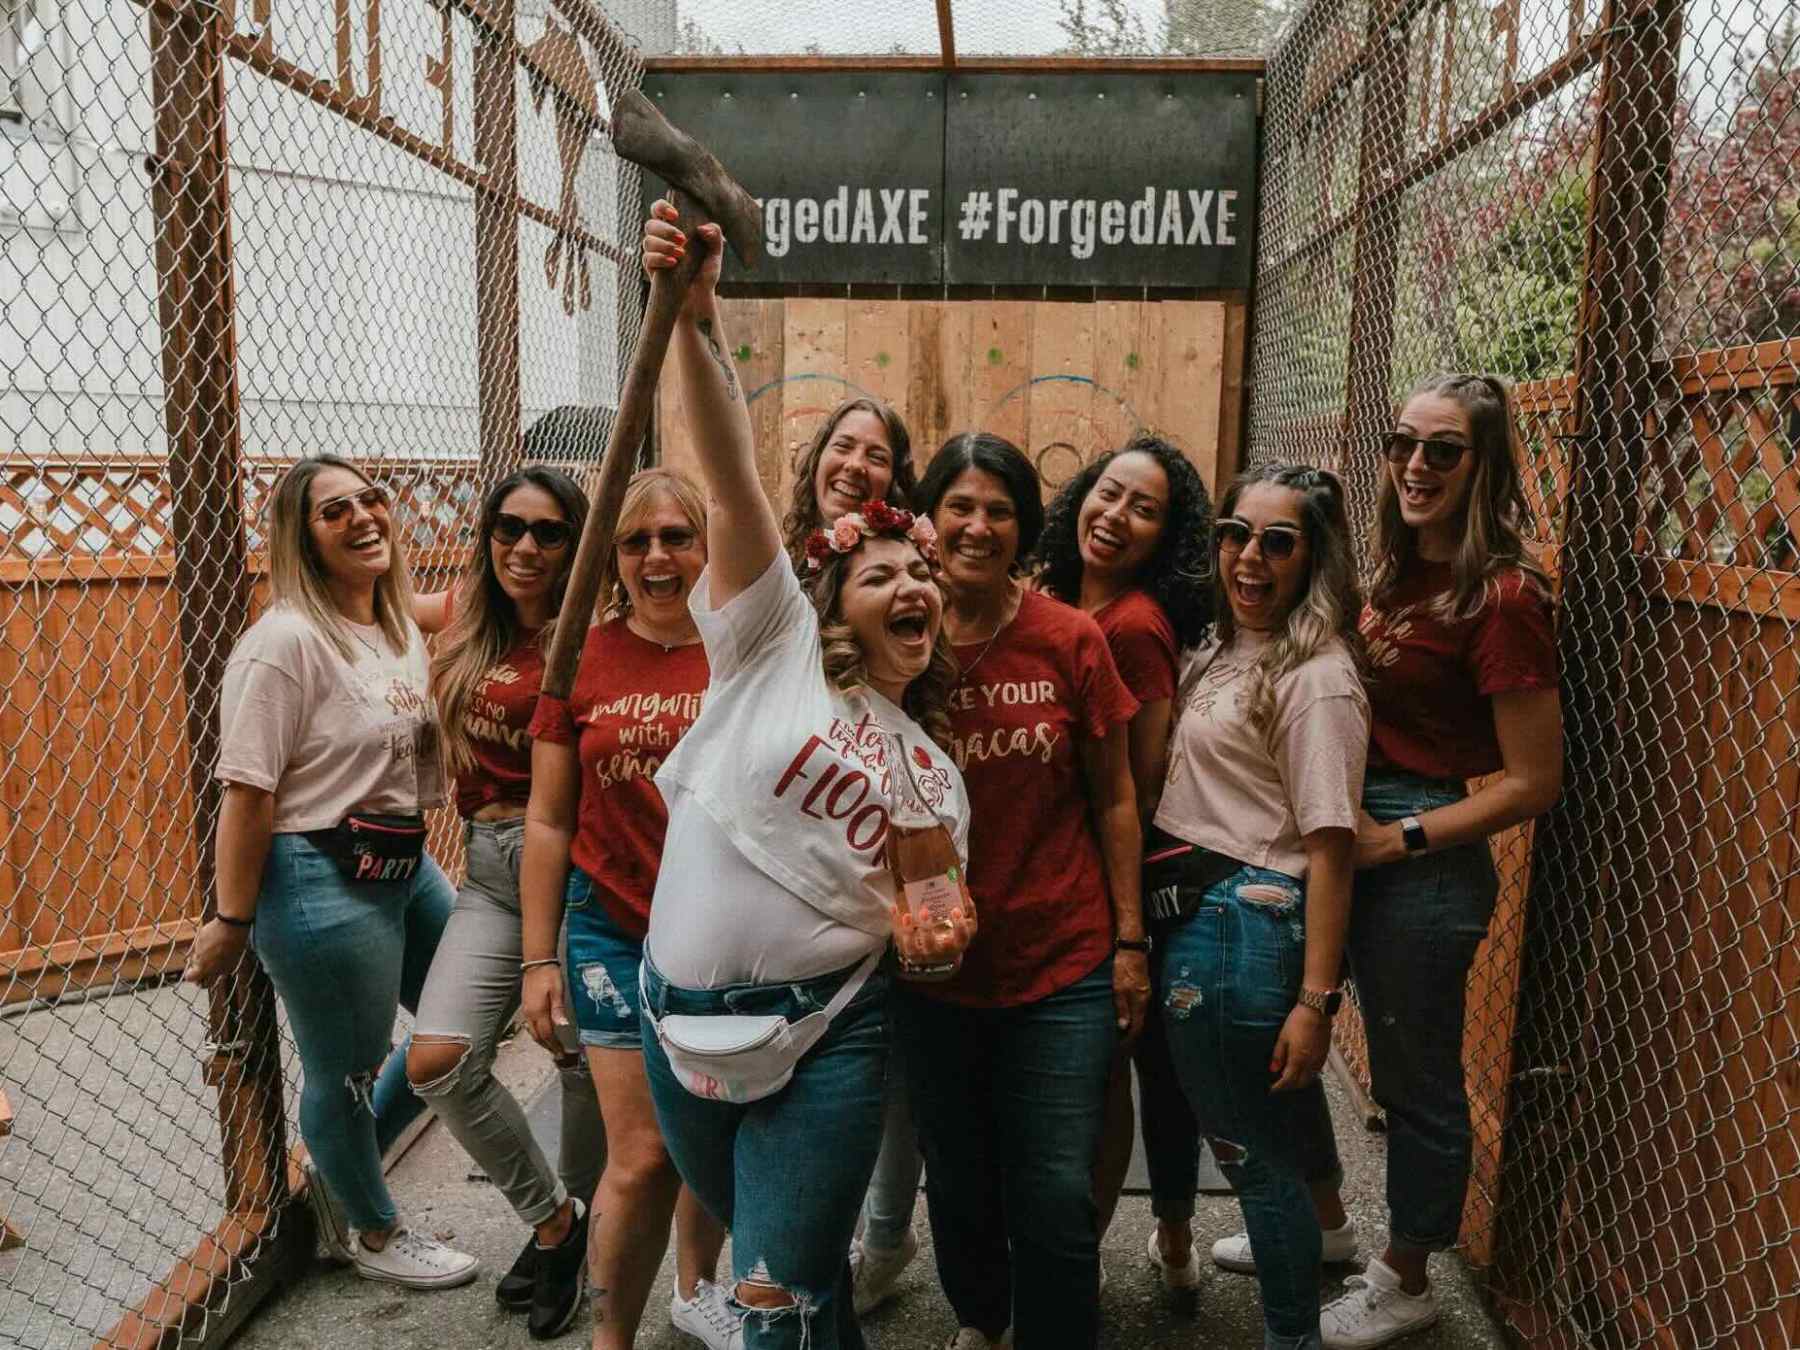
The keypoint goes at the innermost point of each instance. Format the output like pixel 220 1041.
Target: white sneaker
pixel 708 1317
pixel 875 1270
pixel 1338 1248
pixel 1184 1276
pixel 415 1260
pixel 1375 1311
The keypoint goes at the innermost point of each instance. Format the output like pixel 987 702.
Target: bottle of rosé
pixel 934 914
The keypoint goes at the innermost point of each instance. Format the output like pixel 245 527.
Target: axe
pixel 702 191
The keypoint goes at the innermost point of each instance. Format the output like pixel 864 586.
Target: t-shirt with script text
pixel 631 703
pixel 1432 681
pixel 497 721
pixel 1019 714
pixel 326 735
pixel 793 770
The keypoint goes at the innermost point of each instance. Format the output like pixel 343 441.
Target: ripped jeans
pixel 344 958
pixel 470 997
pixel 785 1174
pixel 1225 982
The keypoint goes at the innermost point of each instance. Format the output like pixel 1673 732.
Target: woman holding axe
pixel 765 1019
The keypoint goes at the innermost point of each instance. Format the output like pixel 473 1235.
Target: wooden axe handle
pixel 668 289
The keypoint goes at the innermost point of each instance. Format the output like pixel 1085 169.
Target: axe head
pixel 644 136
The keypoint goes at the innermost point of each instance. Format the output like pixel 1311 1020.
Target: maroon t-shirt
pixel 1431 682
pixel 1143 644
pixel 1017 716
pixel 498 720
pixel 631 702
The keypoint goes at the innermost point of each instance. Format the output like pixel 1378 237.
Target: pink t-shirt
pixel 1253 794
pixel 328 736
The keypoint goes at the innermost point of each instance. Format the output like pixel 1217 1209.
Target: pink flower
pixel 923 533
pixel 847 532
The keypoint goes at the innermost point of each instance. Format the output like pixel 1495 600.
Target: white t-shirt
pixel 325 735
pixel 1254 796
pixel 793 775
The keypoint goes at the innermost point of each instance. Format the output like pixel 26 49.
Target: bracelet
pixel 1131 944
pixel 225 918
pixel 541 961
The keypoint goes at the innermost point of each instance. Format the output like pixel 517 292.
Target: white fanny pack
pixel 739 1057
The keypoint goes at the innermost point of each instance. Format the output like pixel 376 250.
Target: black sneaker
pixel 560 1280
pixel 513 1293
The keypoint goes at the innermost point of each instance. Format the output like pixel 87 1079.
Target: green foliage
pixel 1517 298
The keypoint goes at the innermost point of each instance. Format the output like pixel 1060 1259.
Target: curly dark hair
pixel 1178 575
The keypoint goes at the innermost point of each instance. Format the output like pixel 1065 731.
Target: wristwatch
pixel 1131 944
pixel 1325 1004
pixel 1412 834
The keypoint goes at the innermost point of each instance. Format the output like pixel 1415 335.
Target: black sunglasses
pixel 1278 541
pixel 549 535
pixel 1440 456
pixel 337 511
pixel 674 540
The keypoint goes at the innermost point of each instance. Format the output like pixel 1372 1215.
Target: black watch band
pixel 1131 944
pixel 1412 834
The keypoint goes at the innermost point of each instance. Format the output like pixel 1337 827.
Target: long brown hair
pixel 803 506
pixel 927 697
pixel 486 624
pixel 297 572
pixel 1495 511
pixel 1331 604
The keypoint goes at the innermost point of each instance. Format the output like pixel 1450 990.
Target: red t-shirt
pixel 1431 683
pixel 498 720
pixel 1034 856
pixel 1143 644
pixel 632 701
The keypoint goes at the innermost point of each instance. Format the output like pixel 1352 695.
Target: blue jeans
pixel 1009 1103
pixel 603 962
pixel 894 1189
pixel 786 1174
pixel 344 957
pixel 1225 981
pixel 1414 928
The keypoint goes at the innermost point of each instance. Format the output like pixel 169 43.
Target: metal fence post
pixel 497 237
pixel 190 193
pixel 1577 874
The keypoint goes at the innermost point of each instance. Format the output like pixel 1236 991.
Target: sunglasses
pixel 1441 456
pixel 336 512
pixel 673 540
pixel 1278 541
pixel 549 535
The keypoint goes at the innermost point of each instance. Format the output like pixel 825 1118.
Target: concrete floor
pixel 334 1310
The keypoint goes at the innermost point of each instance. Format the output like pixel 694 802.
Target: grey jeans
pixel 470 996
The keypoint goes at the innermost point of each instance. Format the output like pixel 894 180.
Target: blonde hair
pixel 640 494
pixel 1331 604
pixel 1494 512
pixel 486 624
pixel 297 575
pixel 927 696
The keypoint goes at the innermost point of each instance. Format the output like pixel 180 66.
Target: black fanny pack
pixel 371 848
pixel 1176 875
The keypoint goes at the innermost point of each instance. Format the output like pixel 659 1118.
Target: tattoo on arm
pixel 718 354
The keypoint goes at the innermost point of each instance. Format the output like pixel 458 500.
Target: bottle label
pixel 932 899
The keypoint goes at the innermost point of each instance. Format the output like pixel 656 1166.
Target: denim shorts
pixel 602 970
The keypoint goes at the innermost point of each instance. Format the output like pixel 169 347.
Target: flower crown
pixel 876 520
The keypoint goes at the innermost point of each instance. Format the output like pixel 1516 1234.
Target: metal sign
pixel 1089 179
pixel 849 167
pixel 921 177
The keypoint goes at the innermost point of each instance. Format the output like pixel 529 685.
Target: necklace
pixel 651 637
pixel 367 645
pixel 988 645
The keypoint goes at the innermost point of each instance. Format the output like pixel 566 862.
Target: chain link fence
pixel 1600 201
pixel 232 233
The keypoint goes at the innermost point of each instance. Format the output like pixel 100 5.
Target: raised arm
pixel 742 537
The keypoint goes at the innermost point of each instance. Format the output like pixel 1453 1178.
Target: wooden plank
pixel 1061 435
pixel 1737 368
pixel 815 339
pixel 673 65
pixel 1233 403
pixel 937 367
pixel 878 350
pixel 1752 590
pixel 1000 368
pixel 756 335
pixel 1191 370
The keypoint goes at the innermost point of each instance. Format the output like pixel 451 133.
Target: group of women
pixel 1178 778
